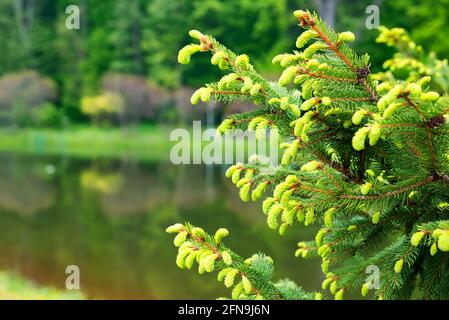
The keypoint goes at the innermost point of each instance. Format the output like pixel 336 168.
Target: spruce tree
pixel 367 160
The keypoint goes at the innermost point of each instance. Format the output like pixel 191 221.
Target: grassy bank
pixel 150 143
pixel 14 287
pixel 143 142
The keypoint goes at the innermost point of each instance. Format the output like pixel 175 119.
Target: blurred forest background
pixel 120 68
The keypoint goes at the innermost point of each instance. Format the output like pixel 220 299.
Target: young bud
pixel 299 79
pixel 287 76
pixel 398 265
pixel 255 90
pixel 358 116
pixel 198 232
pixel 390 97
pixel 180 238
pixel 221 275
pixel 283 229
pixel 376 217
pixel 247 85
pixel 237 291
pixel 300 216
pixel 242 61
pixel 391 109
pixel 424 81
pixel 430 96
pixel 313 48
pixel 190 259
pixel 319 236
pixel 310 217
pixel 347 36
pixel 323 66
pixel 286 197
pixel 374 134
pixel 305 37
pixel 266 204
pixel 365 289
pixel 229 278
pixel 220 234
pixel 209 262
pixel 433 249
pixel 437 233
pixel 223 64
pixel 196 34
pixel 333 287
pixel 180 260
pixel 308 104
pixel 318 296
pixel 175 228
pixel 304 253
pixel 311 166
pixel 370 173
pixel 287 60
pixel 366 187
pixel 416 238
pixel 278 58
pixel 244 192
pixel 339 294
pixel 351 228
pixel 313 64
pixel 295 109
pixel 196 96
pixel 217 57
pixel 272 217
pixel 325 266
pixel 227 259
pixel 225 125
pixel 186 52
pixel 231 170
pixel 326 283
pixel 328 217
pixel 258 191
pixel 358 141
pixel 246 285
pixel 236 176
pixel 323 250
pixel 383 88
pixel 326 101
pixel 300 14
pixel 206 94
pixel 443 242
pixel 414 89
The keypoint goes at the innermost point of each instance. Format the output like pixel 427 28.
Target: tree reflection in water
pixel 109 216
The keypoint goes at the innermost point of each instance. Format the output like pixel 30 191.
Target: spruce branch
pixel 366 160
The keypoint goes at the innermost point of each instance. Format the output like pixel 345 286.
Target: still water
pixel 108 217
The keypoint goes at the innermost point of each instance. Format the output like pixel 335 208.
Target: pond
pixel 108 217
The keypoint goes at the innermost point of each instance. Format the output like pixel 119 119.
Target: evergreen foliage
pixel 365 159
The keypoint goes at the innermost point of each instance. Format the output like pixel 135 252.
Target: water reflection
pixel 108 217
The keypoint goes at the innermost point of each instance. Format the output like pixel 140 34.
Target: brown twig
pixel 391 193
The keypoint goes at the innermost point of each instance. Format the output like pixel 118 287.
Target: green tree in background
pixel 141 37
pixel 261 33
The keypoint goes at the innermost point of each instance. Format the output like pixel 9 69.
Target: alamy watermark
pixel 73 20
pixel 199 146
pixel 72 282
pixel 373 280
pixel 373 20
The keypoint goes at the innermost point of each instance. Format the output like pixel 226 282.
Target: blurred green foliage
pixel 142 37
pixel 14 287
